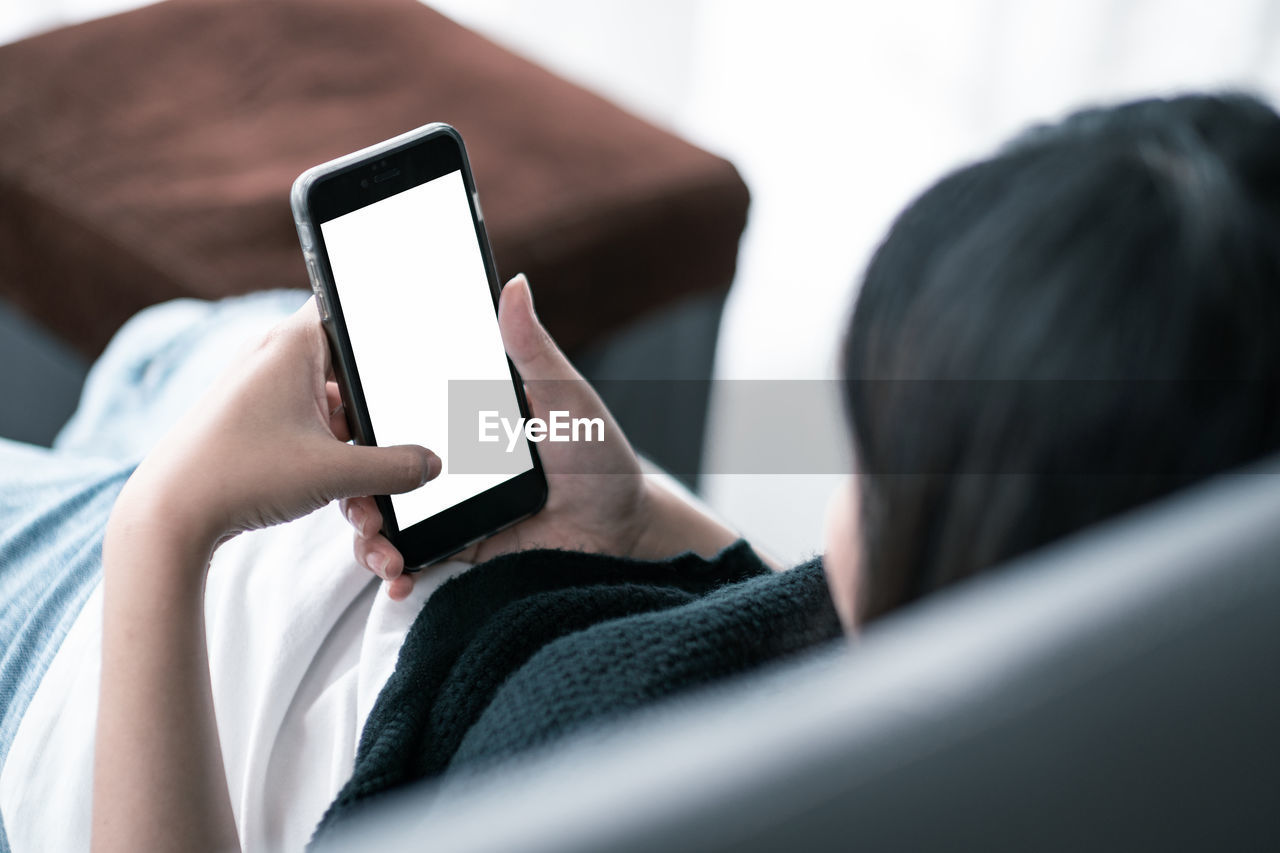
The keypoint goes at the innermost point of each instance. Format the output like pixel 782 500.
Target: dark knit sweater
pixel 530 646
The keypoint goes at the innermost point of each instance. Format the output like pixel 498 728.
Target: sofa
pixel 1116 691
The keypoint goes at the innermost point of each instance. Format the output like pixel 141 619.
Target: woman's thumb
pixel 535 354
pixel 361 470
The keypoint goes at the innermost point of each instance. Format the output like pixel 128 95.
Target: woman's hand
pixel 266 445
pixel 598 498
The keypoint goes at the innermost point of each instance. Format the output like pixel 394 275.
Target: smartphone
pixel 395 246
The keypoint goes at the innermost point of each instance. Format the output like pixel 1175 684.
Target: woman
pixel 1071 328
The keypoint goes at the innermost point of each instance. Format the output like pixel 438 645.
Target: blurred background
pixel 835 114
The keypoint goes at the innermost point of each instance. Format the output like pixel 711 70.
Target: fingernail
pixel 434 466
pixel 355 515
pixel 378 563
pixel 528 290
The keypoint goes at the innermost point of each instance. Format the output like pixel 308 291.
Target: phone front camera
pixel 364 183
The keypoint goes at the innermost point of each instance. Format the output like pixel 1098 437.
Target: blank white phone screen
pixel 415 296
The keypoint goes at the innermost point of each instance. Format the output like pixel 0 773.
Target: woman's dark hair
pixel 1082 323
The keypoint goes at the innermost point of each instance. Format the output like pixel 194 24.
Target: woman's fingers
pixel 535 354
pixel 362 470
pixel 400 587
pixel 379 556
pixel 550 379
pixel 363 515
pixel 373 550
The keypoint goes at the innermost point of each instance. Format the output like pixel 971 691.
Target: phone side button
pixel 323 306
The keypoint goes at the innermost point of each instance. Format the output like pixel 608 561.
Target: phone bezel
pixel 351 183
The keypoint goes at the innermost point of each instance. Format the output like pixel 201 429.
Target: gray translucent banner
pixel 800 427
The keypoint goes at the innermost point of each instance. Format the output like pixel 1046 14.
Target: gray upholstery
pixel 1120 691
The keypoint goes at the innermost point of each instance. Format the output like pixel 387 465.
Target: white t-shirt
pixel 301 640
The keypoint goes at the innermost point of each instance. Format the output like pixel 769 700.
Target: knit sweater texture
pixel 530 646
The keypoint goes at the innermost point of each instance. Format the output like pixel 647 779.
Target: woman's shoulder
pixel 528 647
pixel 618 664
